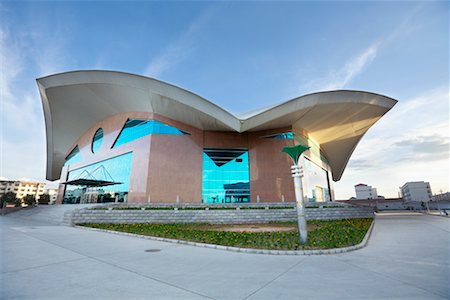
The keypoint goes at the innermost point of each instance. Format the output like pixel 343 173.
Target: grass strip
pixel 322 234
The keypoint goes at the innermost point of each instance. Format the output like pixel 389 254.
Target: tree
pixel 44 199
pixel 9 198
pixel 29 199
pixel 18 202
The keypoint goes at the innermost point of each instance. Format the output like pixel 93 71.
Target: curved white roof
pixel 75 101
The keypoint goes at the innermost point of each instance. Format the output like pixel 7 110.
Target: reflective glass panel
pixel 315 182
pixel 281 136
pixel 226 176
pixel 135 129
pixel 104 181
pixel 73 157
pixel 97 140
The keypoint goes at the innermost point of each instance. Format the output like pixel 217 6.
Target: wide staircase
pixel 52 214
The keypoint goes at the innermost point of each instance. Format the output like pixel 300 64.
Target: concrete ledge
pixel 245 250
pixel 436 215
pixel 213 216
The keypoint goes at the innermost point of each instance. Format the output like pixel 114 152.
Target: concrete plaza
pixel 407 258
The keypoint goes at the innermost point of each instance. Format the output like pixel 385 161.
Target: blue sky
pixel 244 56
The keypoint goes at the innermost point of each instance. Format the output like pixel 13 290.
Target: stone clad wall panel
pixel 175 168
pixel 227 216
pixel 270 169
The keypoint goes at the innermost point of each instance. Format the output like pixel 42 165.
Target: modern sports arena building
pixel 118 137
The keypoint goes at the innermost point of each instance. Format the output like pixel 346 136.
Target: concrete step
pixel 52 214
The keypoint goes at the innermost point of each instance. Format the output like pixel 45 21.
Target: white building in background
pixel 53 193
pixel 364 191
pixel 22 188
pixel 419 191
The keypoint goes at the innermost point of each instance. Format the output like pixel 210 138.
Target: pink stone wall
pixel 270 169
pixel 270 176
pixel 167 167
pixel 111 128
pixel 175 168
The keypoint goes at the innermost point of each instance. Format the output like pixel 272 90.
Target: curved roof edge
pixel 93 95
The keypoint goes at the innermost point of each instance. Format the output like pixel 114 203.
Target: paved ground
pixel 407 258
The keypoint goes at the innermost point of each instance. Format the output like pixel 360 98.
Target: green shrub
pixel 44 199
pixel 17 202
pixel 29 199
pixel 9 198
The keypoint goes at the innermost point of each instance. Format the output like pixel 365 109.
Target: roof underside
pixel 73 102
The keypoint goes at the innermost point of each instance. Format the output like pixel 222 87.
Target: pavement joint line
pixel 119 267
pixel 405 260
pixel 275 278
pixel 436 227
pixel 392 278
pixel 155 279
pixel 43 266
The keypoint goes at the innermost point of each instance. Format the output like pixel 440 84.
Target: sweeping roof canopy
pixel 75 101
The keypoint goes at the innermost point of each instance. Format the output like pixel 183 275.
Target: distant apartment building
pixel 22 188
pixel 416 191
pixel 364 191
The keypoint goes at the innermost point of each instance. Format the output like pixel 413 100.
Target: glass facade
pixel 226 176
pixel 302 140
pixel 135 129
pixel 97 140
pixel 73 157
pixel 281 136
pixel 104 181
pixel 315 182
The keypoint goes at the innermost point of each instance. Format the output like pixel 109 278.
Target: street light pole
pixel 295 153
pixel 297 174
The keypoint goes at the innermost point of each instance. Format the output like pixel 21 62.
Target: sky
pixel 244 56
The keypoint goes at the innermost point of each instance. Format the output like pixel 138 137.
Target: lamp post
pixel 295 153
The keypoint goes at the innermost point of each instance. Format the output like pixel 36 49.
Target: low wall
pixel 213 216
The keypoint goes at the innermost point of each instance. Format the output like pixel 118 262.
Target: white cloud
pixel 338 79
pixel 410 143
pixel 11 64
pixel 22 128
pixel 49 46
pixel 179 50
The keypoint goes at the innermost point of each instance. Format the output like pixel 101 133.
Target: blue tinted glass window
pixel 135 129
pixel 315 182
pixel 226 177
pixel 73 157
pixel 97 140
pixel 104 181
pixel 281 136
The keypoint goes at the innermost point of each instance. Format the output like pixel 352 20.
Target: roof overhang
pixel 91 182
pixel 73 102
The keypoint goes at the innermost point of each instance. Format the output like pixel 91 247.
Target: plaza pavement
pixel 407 258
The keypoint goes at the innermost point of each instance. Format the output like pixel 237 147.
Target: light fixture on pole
pixel 295 152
